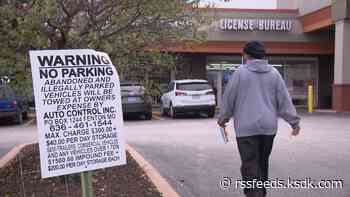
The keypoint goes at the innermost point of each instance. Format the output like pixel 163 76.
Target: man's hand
pixel 296 131
pixel 222 123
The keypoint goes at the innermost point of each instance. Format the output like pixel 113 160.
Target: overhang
pixel 317 20
pixel 288 48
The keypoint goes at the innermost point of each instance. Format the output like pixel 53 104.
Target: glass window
pixel 193 86
pixel 298 75
pixel 279 64
pixel 129 84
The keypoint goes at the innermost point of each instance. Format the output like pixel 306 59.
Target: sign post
pixel 86 184
pixel 79 113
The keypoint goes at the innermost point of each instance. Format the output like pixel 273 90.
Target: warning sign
pixel 78 110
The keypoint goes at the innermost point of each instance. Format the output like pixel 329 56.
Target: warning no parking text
pixel 77 96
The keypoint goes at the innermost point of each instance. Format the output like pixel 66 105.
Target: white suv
pixel 188 96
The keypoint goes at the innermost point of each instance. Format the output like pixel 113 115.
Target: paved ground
pixel 12 135
pixel 188 155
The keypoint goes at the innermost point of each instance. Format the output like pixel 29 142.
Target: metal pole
pixel 172 75
pixel 310 99
pixel 86 184
pixel 219 86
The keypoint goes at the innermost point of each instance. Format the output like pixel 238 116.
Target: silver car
pixel 135 101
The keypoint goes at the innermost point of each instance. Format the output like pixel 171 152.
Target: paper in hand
pixel 223 139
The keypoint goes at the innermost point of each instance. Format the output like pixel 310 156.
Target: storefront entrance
pixel 219 71
pixel 298 73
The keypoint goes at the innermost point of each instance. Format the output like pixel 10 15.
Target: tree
pixel 130 31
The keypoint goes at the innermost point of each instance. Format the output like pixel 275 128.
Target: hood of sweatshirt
pixel 259 66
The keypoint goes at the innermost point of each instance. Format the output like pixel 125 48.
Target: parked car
pixel 189 95
pixel 12 106
pixel 135 101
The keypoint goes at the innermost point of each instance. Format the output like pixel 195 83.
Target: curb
pixel 156 115
pixel 332 112
pixel 162 185
pixel 11 154
pixel 30 122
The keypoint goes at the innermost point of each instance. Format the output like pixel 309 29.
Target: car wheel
pixel 172 112
pixel 19 118
pixel 148 116
pixel 211 113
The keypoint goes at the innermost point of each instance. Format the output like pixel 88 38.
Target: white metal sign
pixel 78 110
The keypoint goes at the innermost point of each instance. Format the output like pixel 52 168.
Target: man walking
pixel 255 97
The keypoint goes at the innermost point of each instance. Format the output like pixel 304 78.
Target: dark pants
pixel 255 152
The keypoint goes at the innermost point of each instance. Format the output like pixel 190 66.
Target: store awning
pixel 219 47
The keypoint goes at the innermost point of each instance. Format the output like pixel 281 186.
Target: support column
pixel 219 88
pixel 172 75
pixel 341 87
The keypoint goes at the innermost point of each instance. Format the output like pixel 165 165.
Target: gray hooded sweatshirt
pixel 255 97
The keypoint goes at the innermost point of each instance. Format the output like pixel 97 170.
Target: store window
pixel 219 72
pixel 298 73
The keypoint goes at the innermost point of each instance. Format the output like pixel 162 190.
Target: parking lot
pixel 187 153
pixel 12 134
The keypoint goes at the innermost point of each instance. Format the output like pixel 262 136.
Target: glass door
pixel 219 72
pixel 298 73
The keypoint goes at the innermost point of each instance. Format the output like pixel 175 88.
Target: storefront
pixel 302 58
pixel 298 73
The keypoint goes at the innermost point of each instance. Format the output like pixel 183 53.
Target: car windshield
pixel 129 84
pixel 132 88
pixel 6 93
pixel 198 86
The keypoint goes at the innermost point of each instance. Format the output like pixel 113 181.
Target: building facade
pixel 330 16
pixel 306 40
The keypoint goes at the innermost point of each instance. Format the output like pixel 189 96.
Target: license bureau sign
pixel 231 24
